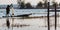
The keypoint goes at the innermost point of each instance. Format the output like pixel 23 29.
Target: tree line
pixel 28 5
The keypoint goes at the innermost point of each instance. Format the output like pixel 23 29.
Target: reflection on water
pixel 33 23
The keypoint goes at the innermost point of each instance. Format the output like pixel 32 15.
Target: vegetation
pixel 45 4
pixel 19 3
pixel 54 3
pixel 39 5
pixel 28 6
pixel 22 6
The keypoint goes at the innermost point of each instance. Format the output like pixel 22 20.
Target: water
pixel 35 12
pixel 35 23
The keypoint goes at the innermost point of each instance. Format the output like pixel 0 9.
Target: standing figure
pixel 7 9
pixel 7 14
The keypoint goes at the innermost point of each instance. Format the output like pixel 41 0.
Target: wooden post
pixel 48 17
pixel 55 17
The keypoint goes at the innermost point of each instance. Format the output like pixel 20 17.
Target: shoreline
pixel 30 17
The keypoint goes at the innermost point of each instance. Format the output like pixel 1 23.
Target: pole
pixel 48 17
pixel 55 17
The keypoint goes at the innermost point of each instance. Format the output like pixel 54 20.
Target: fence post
pixel 55 17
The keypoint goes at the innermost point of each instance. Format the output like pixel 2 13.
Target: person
pixel 12 9
pixel 7 9
pixel 7 14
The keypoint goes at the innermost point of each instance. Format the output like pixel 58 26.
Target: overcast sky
pixel 15 1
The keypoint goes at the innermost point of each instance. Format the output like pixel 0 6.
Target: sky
pixel 34 2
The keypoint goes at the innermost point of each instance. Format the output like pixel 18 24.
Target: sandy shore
pixel 27 23
pixel 37 20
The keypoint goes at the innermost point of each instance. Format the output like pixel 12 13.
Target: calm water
pixel 35 12
pixel 35 23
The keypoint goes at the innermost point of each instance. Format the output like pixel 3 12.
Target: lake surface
pixel 35 23
pixel 35 12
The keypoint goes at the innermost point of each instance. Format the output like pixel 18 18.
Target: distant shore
pixel 33 8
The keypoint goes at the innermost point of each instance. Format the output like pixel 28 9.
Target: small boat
pixel 23 15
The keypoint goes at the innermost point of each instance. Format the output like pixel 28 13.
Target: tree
pixel 28 5
pixel 39 5
pixel 21 4
pixel 45 4
pixel 54 3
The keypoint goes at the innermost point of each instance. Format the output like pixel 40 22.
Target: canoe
pixel 23 15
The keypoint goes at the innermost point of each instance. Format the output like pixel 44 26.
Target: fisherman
pixel 12 9
pixel 7 9
pixel 7 14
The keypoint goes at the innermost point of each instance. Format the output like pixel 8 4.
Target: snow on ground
pixel 34 23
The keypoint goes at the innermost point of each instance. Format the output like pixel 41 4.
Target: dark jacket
pixel 7 9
